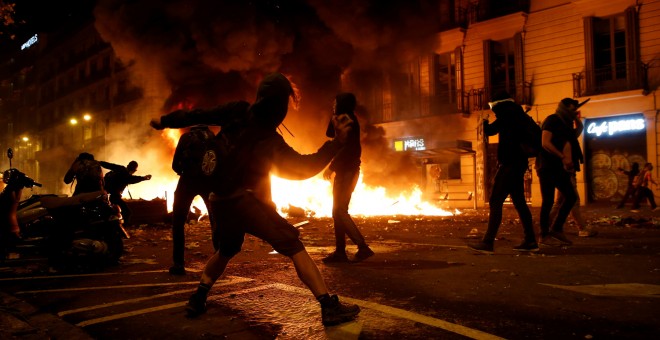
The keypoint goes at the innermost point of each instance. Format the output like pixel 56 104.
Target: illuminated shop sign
pixel 615 126
pixel 410 143
pixel 30 42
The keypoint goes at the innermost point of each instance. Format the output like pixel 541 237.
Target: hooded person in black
pixel 241 198
pixel 510 177
pixel 346 167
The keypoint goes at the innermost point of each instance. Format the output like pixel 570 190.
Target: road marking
pixel 108 287
pixel 397 312
pixel 164 307
pixel 615 289
pixel 225 282
pixel 92 274
pixel 404 314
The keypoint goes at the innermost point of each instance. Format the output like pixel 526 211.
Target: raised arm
pixel 219 116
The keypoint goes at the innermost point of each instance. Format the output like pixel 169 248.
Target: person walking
pixel 554 168
pixel 643 190
pixel 578 158
pixel 187 163
pixel 630 189
pixel 346 168
pixel 241 199
pixel 512 163
pixel 116 181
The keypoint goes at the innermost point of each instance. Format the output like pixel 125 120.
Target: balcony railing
pixel 621 77
pixel 477 99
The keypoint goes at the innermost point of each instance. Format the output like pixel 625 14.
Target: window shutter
pixel 589 54
pixel 519 68
pixel 488 47
pixel 632 46
pixel 458 53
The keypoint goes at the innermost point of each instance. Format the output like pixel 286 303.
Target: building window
pixel 612 57
pixel 504 68
pixel 447 83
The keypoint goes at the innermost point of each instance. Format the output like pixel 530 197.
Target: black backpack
pixel 190 151
pixel 530 137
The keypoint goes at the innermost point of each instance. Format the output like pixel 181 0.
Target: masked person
pixel 87 173
pixel 555 166
pixel 578 158
pixel 346 167
pixel 116 181
pixel 512 163
pixel 187 163
pixel 241 198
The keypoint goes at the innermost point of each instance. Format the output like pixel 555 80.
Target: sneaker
pixel 178 269
pixel 587 233
pixel 528 246
pixel 196 305
pixel 481 247
pixel 336 257
pixel 363 254
pixel 547 240
pixel 559 236
pixel 337 312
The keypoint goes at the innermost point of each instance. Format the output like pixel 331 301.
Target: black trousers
pixel 551 179
pixel 186 190
pixel 642 193
pixel 342 190
pixel 509 180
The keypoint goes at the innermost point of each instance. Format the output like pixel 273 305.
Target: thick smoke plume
pixel 206 52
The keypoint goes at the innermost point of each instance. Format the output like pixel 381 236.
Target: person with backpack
pixel 512 163
pixel 187 163
pixel 554 167
pixel 346 167
pixel 87 173
pixel 116 181
pixel 241 199
pixel 644 179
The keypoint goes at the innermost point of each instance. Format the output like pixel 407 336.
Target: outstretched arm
pixel 218 116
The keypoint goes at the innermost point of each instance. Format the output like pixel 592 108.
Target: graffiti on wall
pixel 607 181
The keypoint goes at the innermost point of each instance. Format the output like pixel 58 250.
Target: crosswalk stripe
pixel 397 312
pixel 91 274
pixel 163 307
pixel 230 281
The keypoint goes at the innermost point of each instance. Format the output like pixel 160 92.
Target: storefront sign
pixel 411 143
pixel 614 126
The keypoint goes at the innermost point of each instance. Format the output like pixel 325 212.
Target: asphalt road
pixel 423 283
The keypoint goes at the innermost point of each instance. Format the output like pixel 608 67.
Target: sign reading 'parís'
pixel 410 143
pixel 616 125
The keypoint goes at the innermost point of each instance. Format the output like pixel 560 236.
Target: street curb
pixel 18 319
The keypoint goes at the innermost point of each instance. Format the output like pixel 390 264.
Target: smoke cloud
pixel 206 52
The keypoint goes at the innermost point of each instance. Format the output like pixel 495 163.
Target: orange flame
pixel 315 197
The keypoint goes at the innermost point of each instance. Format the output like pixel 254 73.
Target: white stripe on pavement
pixel 108 287
pixel 164 307
pixel 92 274
pixel 397 312
pixel 232 280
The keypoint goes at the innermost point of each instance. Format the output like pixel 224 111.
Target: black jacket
pixel 509 117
